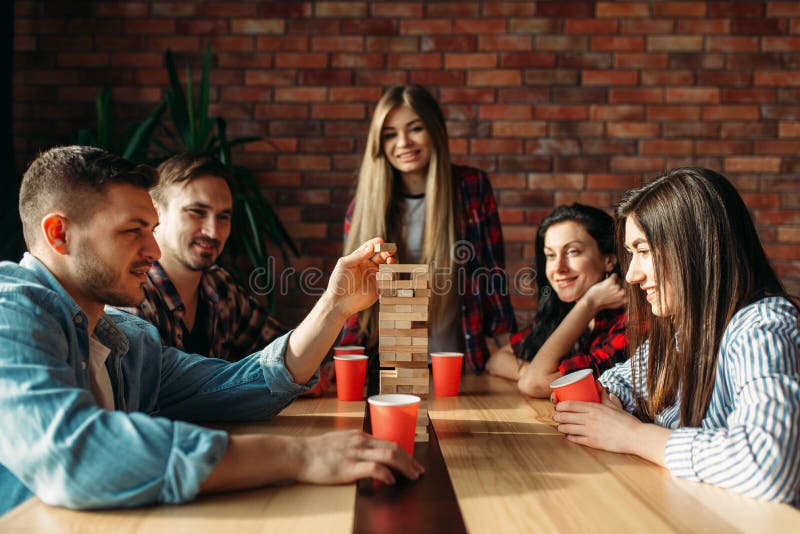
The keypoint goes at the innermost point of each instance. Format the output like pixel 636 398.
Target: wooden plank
pixel 413 268
pixel 416 316
pixel 385 247
pixel 385 362
pixel 401 284
pixel 410 332
pixel 404 300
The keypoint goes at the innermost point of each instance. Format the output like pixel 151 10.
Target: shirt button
pixel 467 336
pixel 78 319
pixel 83 365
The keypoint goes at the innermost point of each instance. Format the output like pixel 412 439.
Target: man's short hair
pixel 70 179
pixel 184 168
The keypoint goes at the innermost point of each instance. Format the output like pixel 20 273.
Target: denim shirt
pixel 57 443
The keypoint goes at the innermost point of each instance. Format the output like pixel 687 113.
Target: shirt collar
pixel 48 280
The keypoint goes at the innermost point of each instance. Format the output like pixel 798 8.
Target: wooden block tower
pixel 404 291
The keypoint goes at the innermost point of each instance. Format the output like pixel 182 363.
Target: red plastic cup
pixel 394 418
pixel 446 372
pixel 579 386
pixel 348 349
pixel 351 369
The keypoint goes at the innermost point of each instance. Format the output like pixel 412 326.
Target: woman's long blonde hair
pixel 378 207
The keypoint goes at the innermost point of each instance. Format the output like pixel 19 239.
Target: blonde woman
pixel 438 213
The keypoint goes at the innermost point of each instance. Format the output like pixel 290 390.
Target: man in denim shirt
pixel 94 412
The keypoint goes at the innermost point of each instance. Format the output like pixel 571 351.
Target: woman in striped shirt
pixel 713 391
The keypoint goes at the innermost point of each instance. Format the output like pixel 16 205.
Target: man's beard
pixel 99 282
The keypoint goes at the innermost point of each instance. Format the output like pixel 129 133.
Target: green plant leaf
pixel 205 88
pixel 176 101
pixel 193 145
pixel 138 142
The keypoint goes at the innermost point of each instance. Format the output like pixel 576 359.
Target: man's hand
pixel 352 286
pixel 343 457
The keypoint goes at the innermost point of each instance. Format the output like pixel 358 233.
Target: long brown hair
pixel 378 207
pixel 704 244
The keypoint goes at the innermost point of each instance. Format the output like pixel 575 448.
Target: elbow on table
pixel 533 386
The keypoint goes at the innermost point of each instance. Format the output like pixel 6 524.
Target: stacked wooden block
pixel 403 331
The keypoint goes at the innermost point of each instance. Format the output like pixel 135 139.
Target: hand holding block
pixel 385 247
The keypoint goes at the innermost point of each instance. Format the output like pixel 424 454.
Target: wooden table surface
pixel 510 470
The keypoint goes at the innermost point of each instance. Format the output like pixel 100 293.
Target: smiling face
pixel 406 141
pixel 641 270
pixel 110 253
pixel 195 222
pixel 573 261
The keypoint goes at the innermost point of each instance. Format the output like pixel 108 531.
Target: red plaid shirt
pixel 599 349
pixel 485 304
pixel 237 324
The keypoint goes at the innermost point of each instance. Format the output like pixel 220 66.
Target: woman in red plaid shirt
pixel 438 213
pixel 580 319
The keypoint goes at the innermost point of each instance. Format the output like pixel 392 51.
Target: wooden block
pixel 385 276
pixel 388 389
pixel 405 325
pixel 413 268
pixel 387 357
pixel 385 324
pixel 419 357
pixel 385 341
pixel 415 316
pixel 405 389
pixel 388 373
pixel 411 380
pixel 411 332
pixel 411 372
pixel 404 356
pixel 420 341
pixel 386 292
pixel 401 284
pixel 406 293
pixel 421 438
pixel 384 362
pixel 404 300
pixel 385 247
pixel 404 341
pixel 420 389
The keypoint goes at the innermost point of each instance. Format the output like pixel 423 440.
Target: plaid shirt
pixel 485 304
pixel 600 349
pixel 237 324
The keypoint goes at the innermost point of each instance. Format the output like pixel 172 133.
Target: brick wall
pixel 558 100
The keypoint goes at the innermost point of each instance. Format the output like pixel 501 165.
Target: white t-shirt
pixel 98 374
pixel 444 331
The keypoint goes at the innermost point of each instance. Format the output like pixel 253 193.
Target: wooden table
pixel 510 470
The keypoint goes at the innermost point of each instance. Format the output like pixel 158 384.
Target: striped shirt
pixel 748 441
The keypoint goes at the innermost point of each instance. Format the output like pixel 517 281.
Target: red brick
pixel 326 145
pixel 544 147
pixel 480 26
pixel 761 200
pixel 774 217
pixel 717 43
pixel 515 216
pixel 635 96
pixel 233 44
pixel 781 252
pixel 137 94
pixel 357 61
pixel 245 94
pixel 355 94
pixel 325 77
pixel 684 130
pixel 572 9
pixel 606 77
pixel 617 43
pixel 585 60
pixel 679 9
pixel 509 9
pixel 788 148
pixel 271 43
pixel 636 164
pixel 77 94
pixel 590 198
pixel 789 129
pixel 258 26
pixel 282 111
pixel 675 43
pixel 673 113
pixel 272 145
pixel 591 26
pixel 735 130
pixel 770 78
pixel 454 43
pixel 426 27
pixel 466 61
pixel 50 77
pixel 616 112
pixel 203 27
pixel 338 111
pixel 231 10
pixel 293 128
pixel 551 77
pixel 694 95
pixel 783 9
pixel 392 44
pixel 301 60
pixel 582 164
pixel 641 61
pixel 580 95
pixel 772 61
pixel 527 59
pixel 561 42
pixel 495 146
pixel 570 129
pixel 762 27
pixel 415 61
pixel 613 181
pixel 176 44
pixel 730 113
pixel 562 113
pixel 149 25
pixel 622 9
pixel 270 77
pixel 735 78
pixel 493 77
pixel 704 27
pixel 370 26
pixel 752 164
pixel 300 94
pixel 121 9
pixel 84 60
pixel 437 78
pixel 724 147
pixel 789 235
pixel 25 43
pixel 521 113
pixel 543 181
pixel 398 10
pixel 487 42
pixel 304 162
pixel 453 9
pixel 38 26
pixel 139 60
pixel 340 43
pixel 698 61
pixel 181 9
pixel 780 44
pixel 668 77
pixel 481 96
pixel 744 8
pixel 633 129
pixel 341 9
pixel 648 27
pixel 534 26
pixel 662 146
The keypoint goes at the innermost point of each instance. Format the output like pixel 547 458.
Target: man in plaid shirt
pixel 195 304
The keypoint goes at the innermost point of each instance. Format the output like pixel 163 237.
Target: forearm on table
pixel 253 460
pixel 649 441
pixel 505 364
pixel 313 338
